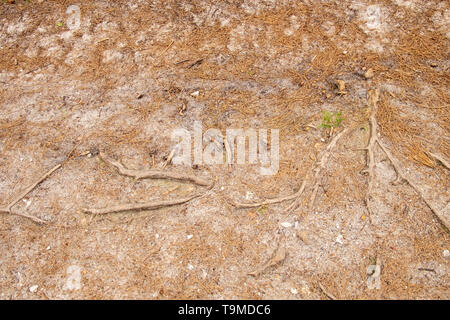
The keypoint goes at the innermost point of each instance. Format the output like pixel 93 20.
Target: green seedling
pixel 331 119
pixel 261 210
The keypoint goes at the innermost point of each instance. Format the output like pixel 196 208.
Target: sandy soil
pixel 136 70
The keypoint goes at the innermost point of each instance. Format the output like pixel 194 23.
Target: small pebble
pixel 189 236
pixel 446 254
pixel 340 239
pixel 33 288
pixel 303 236
pixel 294 291
pixel 369 74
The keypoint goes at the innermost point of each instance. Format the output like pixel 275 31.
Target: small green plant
pixel 331 119
pixel 59 24
pixel 261 210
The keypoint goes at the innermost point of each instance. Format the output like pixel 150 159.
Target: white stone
pixel 34 288
pixel 446 253
pixel 286 224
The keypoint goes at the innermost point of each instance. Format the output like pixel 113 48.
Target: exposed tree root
pixel 373 96
pixel 297 195
pixel 372 100
pixel 139 206
pixel 8 208
pixel 270 201
pixel 35 219
pixel 150 174
pixel 320 165
pixel 154 174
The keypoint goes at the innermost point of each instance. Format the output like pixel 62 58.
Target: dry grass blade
pixel 154 174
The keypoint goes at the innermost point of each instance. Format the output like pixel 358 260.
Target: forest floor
pixel 367 213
